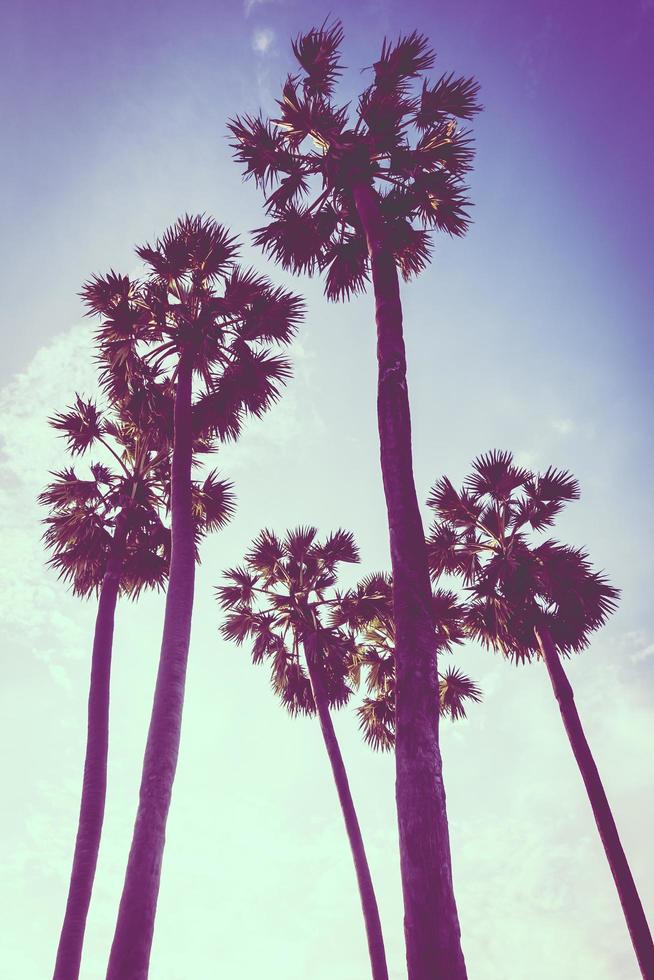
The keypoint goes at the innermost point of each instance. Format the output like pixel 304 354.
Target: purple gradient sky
pixel 533 333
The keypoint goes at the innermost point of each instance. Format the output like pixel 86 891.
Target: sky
pixel 531 334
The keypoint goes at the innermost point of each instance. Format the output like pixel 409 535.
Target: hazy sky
pixel 531 334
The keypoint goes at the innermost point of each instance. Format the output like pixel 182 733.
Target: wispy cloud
pixel 249 5
pixel 262 40
pixel 643 654
pixel 563 426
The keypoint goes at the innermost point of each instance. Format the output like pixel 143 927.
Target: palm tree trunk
pixel 94 785
pixel 431 925
pixel 364 879
pixel 624 882
pixel 130 952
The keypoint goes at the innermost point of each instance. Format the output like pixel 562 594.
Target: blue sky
pixel 532 334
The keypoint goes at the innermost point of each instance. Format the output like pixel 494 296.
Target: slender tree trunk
pixel 431 925
pixel 624 882
pixel 94 785
pixel 364 879
pixel 130 952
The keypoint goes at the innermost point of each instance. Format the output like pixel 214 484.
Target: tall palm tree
pixel 107 537
pixel 203 326
pixel 276 601
pixel 368 612
pixel 357 195
pixel 533 600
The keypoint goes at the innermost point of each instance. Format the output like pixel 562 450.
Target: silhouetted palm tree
pixel 368 612
pixel 107 537
pixel 533 600
pixel 357 194
pixel 203 326
pixel 276 601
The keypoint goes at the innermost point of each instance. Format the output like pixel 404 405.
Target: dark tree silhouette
pixel 533 600
pixel 357 195
pixel 367 610
pixel 107 537
pixel 276 602
pixel 202 327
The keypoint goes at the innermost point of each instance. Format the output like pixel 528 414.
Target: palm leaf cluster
pixel 487 533
pixel 404 137
pixel 368 612
pixel 193 302
pixel 128 486
pixel 128 489
pixel 275 601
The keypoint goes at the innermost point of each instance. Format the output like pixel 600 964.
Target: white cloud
pixel 249 5
pixel 563 426
pixel 262 40
pixel 644 654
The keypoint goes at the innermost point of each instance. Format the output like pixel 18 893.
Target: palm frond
pixel 194 244
pixel 455 688
pixel 102 294
pixel 339 546
pixel 317 51
pixel 67 491
pixel 291 189
pixel 439 201
pixel 453 507
pixel 412 248
pixel 240 591
pixel 494 473
pixel 377 722
pixel 450 96
pixel 444 146
pixel 214 503
pixel 240 624
pixel 273 315
pixel 403 60
pixel 553 485
pixel 81 425
pixel 303 116
pixel 294 238
pixel 265 554
pixel 260 147
pixel 347 267
pixel 443 549
pixel 298 542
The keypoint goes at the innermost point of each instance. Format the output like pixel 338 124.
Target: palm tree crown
pixel 195 303
pixel 486 533
pixel 408 145
pixel 86 512
pixel 275 600
pixel 368 612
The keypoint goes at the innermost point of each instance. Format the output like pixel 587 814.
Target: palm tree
pixel 533 600
pixel 368 612
pixel 203 326
pixel 356 197
pixel 276 601
pixel 107 537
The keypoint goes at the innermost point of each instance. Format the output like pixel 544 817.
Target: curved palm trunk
pixel 364 879
pixel 130 952
pixel 431 925
pixel 624 882
pixel 94 785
